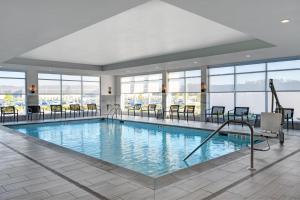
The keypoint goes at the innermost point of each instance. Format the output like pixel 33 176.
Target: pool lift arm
pixel 278 109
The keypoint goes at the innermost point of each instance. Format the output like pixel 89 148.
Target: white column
pixel 204 79
pixel 32 79
pixel 165 83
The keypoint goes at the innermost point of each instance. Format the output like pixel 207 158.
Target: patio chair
pixel 92 107
pixel 173 109
pixel 239 112
pixel 134 108
pixel 218 111
pixel 75 108
pixel 270 126
pixel 188 109
pixel 148 109
pixel 57 109
pixel 9 111
pixel 289 115
pixel 35 110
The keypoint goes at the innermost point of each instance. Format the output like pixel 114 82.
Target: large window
pixel 242 85
pixel 144 89
pixel 12 89
pixel 221 87
pixel 247 85
pixel 68 89
pixel 287 82
pixel 184 88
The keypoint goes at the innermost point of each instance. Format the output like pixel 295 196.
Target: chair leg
pixel 293 123
pixel 228 118
pixel 287 123
pixel 242 120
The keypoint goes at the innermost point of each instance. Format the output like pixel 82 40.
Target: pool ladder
pixel 219 129
pixel 114 111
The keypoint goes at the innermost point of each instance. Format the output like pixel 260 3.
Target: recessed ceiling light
pixel 248 56
pixel 284 21
pixel 195 62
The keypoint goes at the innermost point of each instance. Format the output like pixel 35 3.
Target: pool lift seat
pixel 271 127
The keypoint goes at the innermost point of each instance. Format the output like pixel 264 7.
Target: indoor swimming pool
pixel 151 149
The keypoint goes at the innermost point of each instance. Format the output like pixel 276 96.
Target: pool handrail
pixel 219 129
pixel 114 111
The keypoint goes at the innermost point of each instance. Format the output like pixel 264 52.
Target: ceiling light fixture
pixel 248 56
pixel 284 21
pixel 195 62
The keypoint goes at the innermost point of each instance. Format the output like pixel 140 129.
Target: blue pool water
pixel 150 149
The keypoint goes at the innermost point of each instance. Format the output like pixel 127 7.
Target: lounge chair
pixel 148 109
pixel 9 111
pixel 134 108
pixel 217 111
pixel 35 110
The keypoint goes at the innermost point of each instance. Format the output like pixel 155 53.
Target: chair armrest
pixel 229 112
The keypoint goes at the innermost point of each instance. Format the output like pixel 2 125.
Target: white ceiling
pixel 31 24
pixel 152 29
pixel 25 25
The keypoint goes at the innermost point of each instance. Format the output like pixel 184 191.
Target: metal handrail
pixel 114 111
pixel 279 109
pixel 219 129
pixel 110 111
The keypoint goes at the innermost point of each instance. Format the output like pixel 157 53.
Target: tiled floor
pixel 29 170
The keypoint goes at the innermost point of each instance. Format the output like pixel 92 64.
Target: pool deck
pixel 32 169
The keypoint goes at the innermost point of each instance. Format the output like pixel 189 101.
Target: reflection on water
pixel 146 148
